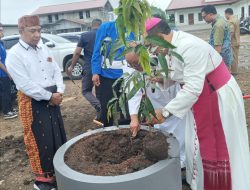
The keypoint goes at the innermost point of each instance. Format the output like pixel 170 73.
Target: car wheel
pixel 76 73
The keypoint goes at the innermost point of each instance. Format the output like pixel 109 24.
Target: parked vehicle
pixel 61 49
pixel 245 26
pixel 71 36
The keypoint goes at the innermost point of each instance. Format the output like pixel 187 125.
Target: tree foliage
pixel 131 17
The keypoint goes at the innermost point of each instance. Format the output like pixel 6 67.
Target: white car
pixel 61 49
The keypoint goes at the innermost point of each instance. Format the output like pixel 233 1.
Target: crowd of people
pixel 202 104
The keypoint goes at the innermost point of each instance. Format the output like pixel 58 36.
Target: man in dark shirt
pixel 86 43
pixel 5 82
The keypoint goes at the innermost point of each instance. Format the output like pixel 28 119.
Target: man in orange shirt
pixel 235 38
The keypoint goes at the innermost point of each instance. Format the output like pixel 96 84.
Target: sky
pixel 11 10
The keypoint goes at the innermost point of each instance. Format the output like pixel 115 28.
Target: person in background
pixel 5 83
pixel 235 38
pixel 86 43
pixel 220 36
pixel 104 75
pixel 39 80
pixel 216 138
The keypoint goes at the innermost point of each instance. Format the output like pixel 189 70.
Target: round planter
pixel 163 175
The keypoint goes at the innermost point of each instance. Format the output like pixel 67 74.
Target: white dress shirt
pixel 33 70
pixel 199 59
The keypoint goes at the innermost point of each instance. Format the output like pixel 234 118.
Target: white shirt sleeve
pixel 57 75
pixel 21 78
pixel 134 103
pixel 194 73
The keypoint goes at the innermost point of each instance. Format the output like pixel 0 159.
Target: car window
pixel 8 43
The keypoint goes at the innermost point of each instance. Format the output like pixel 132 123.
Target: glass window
pixel 50 18
pixel 181 18
pixel 87 14
pixel 242 12
pixel 200 17
pixel 80 15
pixel 56 17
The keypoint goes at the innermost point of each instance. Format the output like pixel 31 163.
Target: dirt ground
pixel 78 115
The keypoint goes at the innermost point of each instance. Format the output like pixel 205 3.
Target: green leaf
pixel 111 106
pixel 114 48
pixel 144 59
pixel 178 56
pixel 119 82
pixel 164 64
pixel 150 107
pixel 136 5
pixel 120 25
pixel 158 41
pixel 135 89
pixel 122 104
pixel 147 115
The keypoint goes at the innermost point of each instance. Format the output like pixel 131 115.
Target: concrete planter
pixel 163 175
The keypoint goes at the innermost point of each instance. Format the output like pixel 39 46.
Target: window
pixel 181 18
pixel 200 17
pixel 172 18
pixel 248 10
pixel 50 18
pixel 56 17
pixel 87 14
pixel 242 12
pixel 80 15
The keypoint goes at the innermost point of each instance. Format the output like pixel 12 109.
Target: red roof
pixel 83 5
pixel 183 4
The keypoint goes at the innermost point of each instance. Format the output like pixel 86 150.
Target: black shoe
pixel 43 186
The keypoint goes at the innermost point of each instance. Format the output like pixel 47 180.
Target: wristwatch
pixel 165 113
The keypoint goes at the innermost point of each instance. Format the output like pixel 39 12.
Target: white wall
pixel 94 13
pixel 220 10
pixel 10 30
pixel 242 3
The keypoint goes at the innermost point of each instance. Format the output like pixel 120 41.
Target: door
pixel 191 19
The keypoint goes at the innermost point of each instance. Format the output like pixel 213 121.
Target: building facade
pixel 73 17
pixel 185 13
pixel 10 29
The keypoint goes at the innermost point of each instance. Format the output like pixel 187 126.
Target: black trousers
pixel 104 94
pixel 48 130
pixel 5 87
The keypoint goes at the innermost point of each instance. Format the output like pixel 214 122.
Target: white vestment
pixel 199 60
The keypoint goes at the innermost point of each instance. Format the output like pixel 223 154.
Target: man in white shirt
pixel 40 84
pixel 217 150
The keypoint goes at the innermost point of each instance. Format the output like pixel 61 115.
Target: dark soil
pixel 115 152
